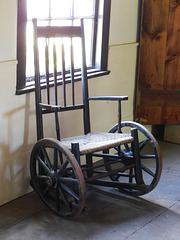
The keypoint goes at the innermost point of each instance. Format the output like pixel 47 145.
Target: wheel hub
pixel 52 180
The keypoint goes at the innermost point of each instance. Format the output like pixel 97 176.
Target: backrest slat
pixel 84 84
pixel 55 73
pixel 72 71
pixel 47 69
pixel 63 72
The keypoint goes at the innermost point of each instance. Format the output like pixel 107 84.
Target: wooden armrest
pixel 109 98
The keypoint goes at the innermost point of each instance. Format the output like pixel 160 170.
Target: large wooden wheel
pixel 57 178
pixel 150 161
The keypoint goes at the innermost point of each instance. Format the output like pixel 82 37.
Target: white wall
pixel 17 113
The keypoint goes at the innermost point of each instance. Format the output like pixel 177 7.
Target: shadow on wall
pixel 15 154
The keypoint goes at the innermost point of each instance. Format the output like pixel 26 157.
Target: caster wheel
pixel 57 178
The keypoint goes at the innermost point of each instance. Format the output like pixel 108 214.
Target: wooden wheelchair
pixel 114 159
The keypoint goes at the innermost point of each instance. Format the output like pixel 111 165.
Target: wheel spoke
pixel 66 179
pixel 68 190
pixel 55 160
pixel 147 170
pixel 42 163
pixel 127 147
pixel 57 199
pixel 46 157
pixel 63 167
pixel 143 144
pixel 43 177
pixel 123 152
pixel 65 200
pixel 146 156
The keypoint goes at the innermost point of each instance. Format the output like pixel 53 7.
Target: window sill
pixel 91 74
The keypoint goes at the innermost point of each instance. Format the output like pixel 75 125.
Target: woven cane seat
pixel 93 142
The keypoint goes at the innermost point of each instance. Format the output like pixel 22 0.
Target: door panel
pixel 158 88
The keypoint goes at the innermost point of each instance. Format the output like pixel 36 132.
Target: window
pixel 96 14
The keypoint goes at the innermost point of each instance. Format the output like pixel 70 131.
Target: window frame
pixel 21 87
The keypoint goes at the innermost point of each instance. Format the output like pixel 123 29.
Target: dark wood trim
pixel 31 88
pixel 138 39
pixel 21 44
pixel 105 34
pixel 95 32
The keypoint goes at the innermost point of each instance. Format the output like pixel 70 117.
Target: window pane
pixel 83 8
pixel 60 8
pixel 99 42
pixel 77 46
pixel 88 30
pixel 37 8
pixel 29 50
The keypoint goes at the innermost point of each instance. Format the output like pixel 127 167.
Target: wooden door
pixel 158 87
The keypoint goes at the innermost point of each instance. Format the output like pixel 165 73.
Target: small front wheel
pixel 57 178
